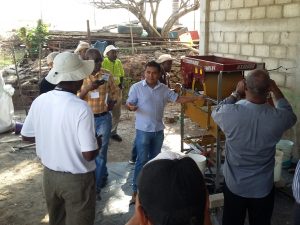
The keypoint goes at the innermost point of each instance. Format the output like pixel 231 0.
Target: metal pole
pixel 88 31
pixel 218 169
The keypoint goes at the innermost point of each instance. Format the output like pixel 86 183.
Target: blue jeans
pixel 133 151
pixel 103 126
pixel 148 145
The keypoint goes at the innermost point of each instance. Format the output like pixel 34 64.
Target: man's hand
pixel 95 84
pixel 110 105
pixel 275 90
pixel 131 107
pixel 240 88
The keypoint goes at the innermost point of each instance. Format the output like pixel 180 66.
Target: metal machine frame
pixel 198 67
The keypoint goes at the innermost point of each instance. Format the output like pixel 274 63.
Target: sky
pixel 71 15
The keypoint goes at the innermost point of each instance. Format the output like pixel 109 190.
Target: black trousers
pixel 235 209
pixel 297 214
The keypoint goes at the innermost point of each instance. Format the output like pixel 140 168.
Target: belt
pixel 100 114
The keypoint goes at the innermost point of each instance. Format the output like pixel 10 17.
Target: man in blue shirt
pixel 148 99
pixel 252 128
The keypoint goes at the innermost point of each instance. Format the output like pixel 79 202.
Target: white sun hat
pixel 164 57
pixel 68 66
pixel 81 45
pixel 109 48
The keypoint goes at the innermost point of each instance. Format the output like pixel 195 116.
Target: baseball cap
pixel 109 48
pixel 81 45
pixel 68 66
pixel 172 191
pixel 164 57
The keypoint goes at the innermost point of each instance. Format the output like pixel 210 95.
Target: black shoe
pixel 104 182
pixel 116 137
pixel 98 196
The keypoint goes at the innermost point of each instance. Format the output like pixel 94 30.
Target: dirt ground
pixel 21 197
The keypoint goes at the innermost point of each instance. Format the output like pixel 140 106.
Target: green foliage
pixel 33 38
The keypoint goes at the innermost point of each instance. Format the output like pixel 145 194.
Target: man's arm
pixel 131 107
pixel 187 99
pixel 276 91
pixel 90 87
pixel 91 155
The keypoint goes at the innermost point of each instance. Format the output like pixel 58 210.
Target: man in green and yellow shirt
pixel 114 65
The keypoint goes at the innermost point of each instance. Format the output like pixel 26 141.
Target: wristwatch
pixel 235 94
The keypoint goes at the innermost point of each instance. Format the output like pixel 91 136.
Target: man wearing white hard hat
pixel 115 67
pixel 165 61
pixel 62 126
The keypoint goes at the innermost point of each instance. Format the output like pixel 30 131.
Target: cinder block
pixel 242 37
pixel 231 14
pixel 216 200
pixel 225 4
pixel 279 78
pixel 259 12
pixel 255 59
pixel 213 47
pixel 291 10
pixel 214 5
pixel 274 11
pixel 218 36
pixel 278 51
pixel 289 66
pixel 223 48
pixel 271 37
pixel 247 50
pixel 271 63
pixel 229 36
pixel 234 49
pixel 256 37
pixel 229 56
pixel 237 3
pixel 290 38
pixel 244 14
pixel 262 50
pixel 220 15
pixel 291 52
pixel 291 82
pixel 211 16
pixel 218 54
pixel 282 1
pixel 251 3
pixel 266 2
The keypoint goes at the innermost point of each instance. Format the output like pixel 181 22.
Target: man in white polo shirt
pixel 62 125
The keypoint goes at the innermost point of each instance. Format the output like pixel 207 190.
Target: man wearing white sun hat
pixel 62 125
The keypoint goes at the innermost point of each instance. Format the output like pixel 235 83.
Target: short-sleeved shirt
pixel 115 68
pixel 105 93
pixel 296 183
pixel 252 132
pixel 63 127
pixel 151 103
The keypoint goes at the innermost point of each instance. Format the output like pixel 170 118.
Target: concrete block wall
pixel 262 31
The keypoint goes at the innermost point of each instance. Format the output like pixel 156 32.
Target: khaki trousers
pixel 70 198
